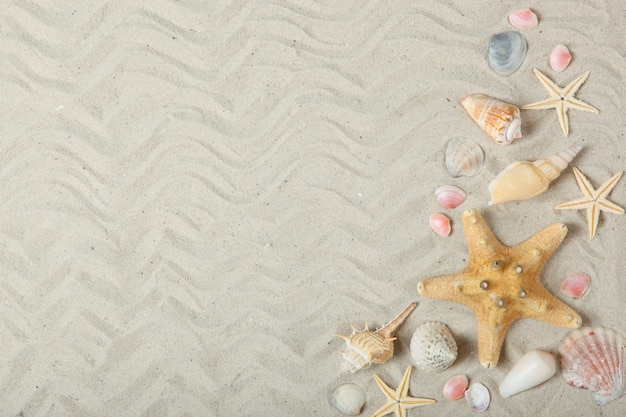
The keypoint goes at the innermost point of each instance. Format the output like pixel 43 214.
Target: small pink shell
pixel 455 388
pixel 440 224
pixel 576 285
pixel 450 196
pixel 560 58
pixel 523 19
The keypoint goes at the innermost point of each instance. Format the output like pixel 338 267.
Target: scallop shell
pixel 366 347
pixel 433 346
pixel 593 358
pixel 440 224
pixel 454 389
pixel 506 52
pixel 524 179
pixel 349 399
pixel 532 369
pixel 560 58
pixel 523 19
pixel 450 196
pixel 464 157
pixel 478 396
pixel 500 120
pixel 576 285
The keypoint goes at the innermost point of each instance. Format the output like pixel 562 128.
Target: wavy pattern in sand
pixel 196 197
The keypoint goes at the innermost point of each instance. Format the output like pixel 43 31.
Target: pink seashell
pixel 450 196
pixel 440 224
pixel 576 285
pixel 593 358
pixel 455 388
pixel 523 19
pixel 560 58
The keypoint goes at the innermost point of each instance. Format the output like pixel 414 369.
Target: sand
pixel 196 196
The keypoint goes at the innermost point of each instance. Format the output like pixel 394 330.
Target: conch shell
pixel 365 347
pixel 522 180
pixel 500 120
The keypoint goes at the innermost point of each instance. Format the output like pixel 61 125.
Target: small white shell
pixel 455 387
pixel 349 399
pixel 478 396
pixel 532 369
pixel 433 346
pixel 440 224
pixel 450 196
pixel 464 158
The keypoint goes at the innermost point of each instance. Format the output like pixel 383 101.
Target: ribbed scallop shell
pixel 500 120
pixel 433 346
pixel 522 180
pixel 464 157
pixel 450 196
pixel 593 358
pixel 506 52
pixel 366 347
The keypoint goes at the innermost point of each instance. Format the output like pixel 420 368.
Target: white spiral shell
pixel 433 346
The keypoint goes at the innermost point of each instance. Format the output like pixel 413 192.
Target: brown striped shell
pixel 366 347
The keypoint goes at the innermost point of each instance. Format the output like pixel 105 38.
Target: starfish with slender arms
pixel 561 99
pixel 399 400
pixel 593 200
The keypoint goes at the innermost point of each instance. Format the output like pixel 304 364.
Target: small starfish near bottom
pixel 399 401
pixel 502 284
pixel 561 99
pixel 593 200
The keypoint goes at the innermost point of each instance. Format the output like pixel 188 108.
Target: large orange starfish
pixel 501 284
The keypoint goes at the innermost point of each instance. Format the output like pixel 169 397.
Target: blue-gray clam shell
pixel 506 52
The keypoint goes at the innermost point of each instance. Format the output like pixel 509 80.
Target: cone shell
pixel 532 369
pixel 464 157
pixel 500 120
pixel 522 180
pixel 450 196
pixel 433 346
pixel 366 347
pixel 593 358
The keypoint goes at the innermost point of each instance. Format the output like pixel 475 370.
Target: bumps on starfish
pixel 502 284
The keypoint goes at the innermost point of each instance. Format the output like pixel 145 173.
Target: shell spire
pixel 390 329
pixel 522 180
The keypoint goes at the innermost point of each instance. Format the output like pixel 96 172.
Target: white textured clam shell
pixel 348 399
pixel 478 396
pixel 593 358
pixel 433 346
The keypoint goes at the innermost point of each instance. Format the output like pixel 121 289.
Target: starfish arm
pixel 561 114
pixel 583 183
pixel 578 204
pixel 403 389
pixel 386 389
pixel 593 215
pixel 453 287
pixel 543 104
pixel 572 87
pixel 480 239
pixel 533 253
pixel 549 85
pixel 606 188
pixel 574 103
pixel 542 305
pixel 385 409
pixel 411 402
pixel 492 328
pixel 606 205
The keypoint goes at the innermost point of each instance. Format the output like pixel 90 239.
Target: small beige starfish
pixel 561 99
pixel 399 401
pixel 593 200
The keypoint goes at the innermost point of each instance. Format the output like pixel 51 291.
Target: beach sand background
pixel 195 196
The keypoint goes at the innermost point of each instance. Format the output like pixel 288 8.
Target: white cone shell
pixel 534 368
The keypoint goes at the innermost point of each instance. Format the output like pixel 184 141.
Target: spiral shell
pixel 464 158
pixel 500 120
pixel 522 180
pixel 366 347
pixel 593 358
pixel 433 346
